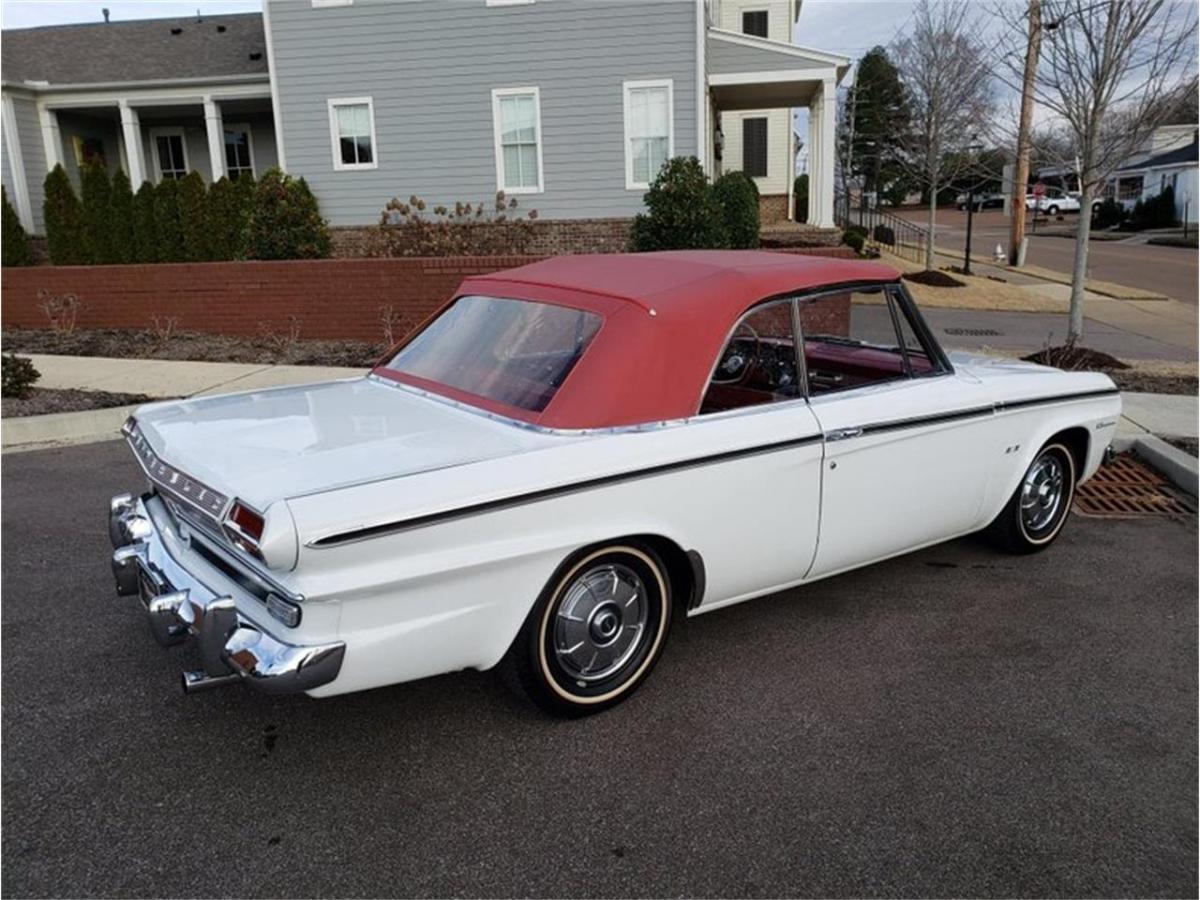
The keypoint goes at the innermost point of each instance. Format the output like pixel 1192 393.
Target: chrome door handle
pixel 841 434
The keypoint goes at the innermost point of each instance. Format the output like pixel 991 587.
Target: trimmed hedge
pixel 66 236
pixel 17 376
pixel 855 238
pixel 178 220
pixel 15 241
pixel 96 195
pixel 682 212
pixel 120 219
pixel 285 220
pixel 737 195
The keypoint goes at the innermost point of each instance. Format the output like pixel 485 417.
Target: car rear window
pixel 515 352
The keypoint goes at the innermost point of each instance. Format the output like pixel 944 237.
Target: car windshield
pixel 515 352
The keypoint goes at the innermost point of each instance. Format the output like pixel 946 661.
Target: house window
pixel 170 152
pixel 649 130
pixel 239 157
pixel 754 22
pixel 352 131
pixel 754 147
pixel 517 126
pixel 1130 188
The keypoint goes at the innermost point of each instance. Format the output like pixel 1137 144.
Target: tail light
pixel 245 528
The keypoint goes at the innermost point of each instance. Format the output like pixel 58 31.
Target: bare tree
pixel 947 81
pixel 1105 67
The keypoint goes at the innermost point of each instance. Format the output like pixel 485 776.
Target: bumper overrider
pixel 181 604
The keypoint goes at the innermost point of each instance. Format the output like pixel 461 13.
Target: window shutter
pixel 754 147
pixel 755 23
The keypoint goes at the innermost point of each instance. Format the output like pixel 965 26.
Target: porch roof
pixel 747 72
pixel 146 50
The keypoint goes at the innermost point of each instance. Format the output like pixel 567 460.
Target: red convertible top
pixel 666 318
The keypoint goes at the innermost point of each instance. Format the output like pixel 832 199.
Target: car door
pixel 908 443
pixel 756 516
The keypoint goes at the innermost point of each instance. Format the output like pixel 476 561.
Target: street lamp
pixel 971 148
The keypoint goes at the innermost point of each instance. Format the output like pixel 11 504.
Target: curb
pixel 63 429
pixel 1179 468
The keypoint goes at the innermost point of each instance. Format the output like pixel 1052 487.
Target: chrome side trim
pixel 518 423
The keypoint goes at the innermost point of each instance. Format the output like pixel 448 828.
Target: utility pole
pixel 1024 138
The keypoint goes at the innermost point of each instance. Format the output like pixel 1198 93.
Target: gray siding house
pixel 570 105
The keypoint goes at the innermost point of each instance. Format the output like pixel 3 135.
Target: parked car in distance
pixel 571 455
pixel 982 201
pixel 1053 204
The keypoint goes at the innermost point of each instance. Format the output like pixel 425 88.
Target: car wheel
pixel 1053 211
pixel 596 631
pixel 1038 508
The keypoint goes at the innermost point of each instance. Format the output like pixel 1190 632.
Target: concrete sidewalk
pixel 174 378
pixel 153 377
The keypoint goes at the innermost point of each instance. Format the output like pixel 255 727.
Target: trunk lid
pixel 263 446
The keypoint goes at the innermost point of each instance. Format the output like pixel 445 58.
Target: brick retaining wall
pixel 330 298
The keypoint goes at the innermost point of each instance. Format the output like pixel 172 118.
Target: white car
pixel 1052 205
pixel 571 454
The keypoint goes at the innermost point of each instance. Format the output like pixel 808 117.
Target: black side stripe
pixel 1057 398
pixel 547 493
pixel 922 421
pixel 939 418
pixel 460 512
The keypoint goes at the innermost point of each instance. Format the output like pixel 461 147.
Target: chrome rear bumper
pixel 179 605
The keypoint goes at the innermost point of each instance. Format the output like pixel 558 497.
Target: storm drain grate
pixel 1126 489
pixel 973 332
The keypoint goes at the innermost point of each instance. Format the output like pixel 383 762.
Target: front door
pixel 907 441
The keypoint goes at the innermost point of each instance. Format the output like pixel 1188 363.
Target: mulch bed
pixel 1143 382
pixel 1075 358
pixel 42 401
pixel 192 345
pixel 1126 378
pixel 933 278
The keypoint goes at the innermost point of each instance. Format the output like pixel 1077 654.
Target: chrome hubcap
pixel 601 622
pixel 1041 493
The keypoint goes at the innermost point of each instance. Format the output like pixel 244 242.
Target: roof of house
pixel 666 317
pixel 141 50
pixel 1185 155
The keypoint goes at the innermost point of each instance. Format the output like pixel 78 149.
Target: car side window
pixel 850 340
pixel 921 361
pixel 758 364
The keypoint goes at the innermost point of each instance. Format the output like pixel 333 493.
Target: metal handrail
pixel 906 239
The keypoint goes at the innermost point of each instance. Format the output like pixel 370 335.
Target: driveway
pixel 954 722
pixel 1171 271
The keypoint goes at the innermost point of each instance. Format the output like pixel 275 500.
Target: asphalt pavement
pixel 953 722
pixel 1172 271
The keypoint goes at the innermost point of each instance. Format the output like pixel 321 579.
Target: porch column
pixel 814 166
pixel 16 165
pixel 826 133
pixel 135 156
pixel 51 137
pixel 215 128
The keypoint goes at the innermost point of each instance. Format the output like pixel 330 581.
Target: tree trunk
pixel 931 224
pixel 1079 272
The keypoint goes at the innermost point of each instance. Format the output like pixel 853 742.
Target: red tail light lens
pixel 245 528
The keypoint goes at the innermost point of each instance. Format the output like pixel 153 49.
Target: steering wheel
pixel 740 357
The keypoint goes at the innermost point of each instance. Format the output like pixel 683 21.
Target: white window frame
pixel 167 131
pixel 335 139
pixel 628 87
pixel 497 94
pixel 240 126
